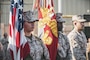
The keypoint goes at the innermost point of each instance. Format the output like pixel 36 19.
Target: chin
pixel 30 30
pixel 81 29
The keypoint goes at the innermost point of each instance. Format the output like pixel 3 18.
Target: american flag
pixel 18 45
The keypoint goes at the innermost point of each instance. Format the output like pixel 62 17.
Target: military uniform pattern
pixel 1 52
pixel 63 47
pixel 77 44
pixel 38 51
pixel 1 55
pixel 5 42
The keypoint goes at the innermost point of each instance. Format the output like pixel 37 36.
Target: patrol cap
pixel 59 17
pixel 29 16
pixel 78 18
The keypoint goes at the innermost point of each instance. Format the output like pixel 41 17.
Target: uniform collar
pixel 59 31
pixel 31 38
pixel 79 33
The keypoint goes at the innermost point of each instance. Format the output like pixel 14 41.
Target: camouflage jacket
pixel 38 51
pixel 63 47
pixel 1 51
pixel 78 44
pixel 5 42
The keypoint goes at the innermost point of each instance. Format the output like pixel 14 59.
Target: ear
pixel 74 22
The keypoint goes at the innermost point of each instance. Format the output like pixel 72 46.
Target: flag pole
pixel 59 6
pixel 33 5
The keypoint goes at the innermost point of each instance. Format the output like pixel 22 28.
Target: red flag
pixel 47 27
pixel 18 45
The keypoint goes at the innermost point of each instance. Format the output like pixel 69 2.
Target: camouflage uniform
pixel 64 52
pixel 38 50
pixel 1 52
pixel 4 42
pixel 1 55
pixel 77 44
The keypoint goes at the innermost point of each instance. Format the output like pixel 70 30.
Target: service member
pixel 38 51
pixel 63 42
pixel 5 42
pixel 78 39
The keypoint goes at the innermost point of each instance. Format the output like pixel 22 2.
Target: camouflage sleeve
pixel 69 55
pixel 46 52
pixel 1 52
pixel 61 51
pixel 1 46
pixel 68 50
pixel 77 51
pixel 63 46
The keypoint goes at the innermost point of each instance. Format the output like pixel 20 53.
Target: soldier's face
pixel 80 25
pixel 5 35
pixel 60 26
pixel 28 26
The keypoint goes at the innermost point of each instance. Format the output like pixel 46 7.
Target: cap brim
pixel 60 20
pixel 82 20
pixel 33 20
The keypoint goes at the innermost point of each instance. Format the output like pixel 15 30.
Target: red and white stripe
pixel 18 44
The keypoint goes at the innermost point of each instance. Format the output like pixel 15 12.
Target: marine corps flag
pixel 47 26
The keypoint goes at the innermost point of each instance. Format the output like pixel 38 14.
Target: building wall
pixel 5 8
pixel 69 7
pixel 5 12
pixel 74 7
pixel 0 12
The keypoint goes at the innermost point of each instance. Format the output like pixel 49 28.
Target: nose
pixel 32 24
pixel 82 23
